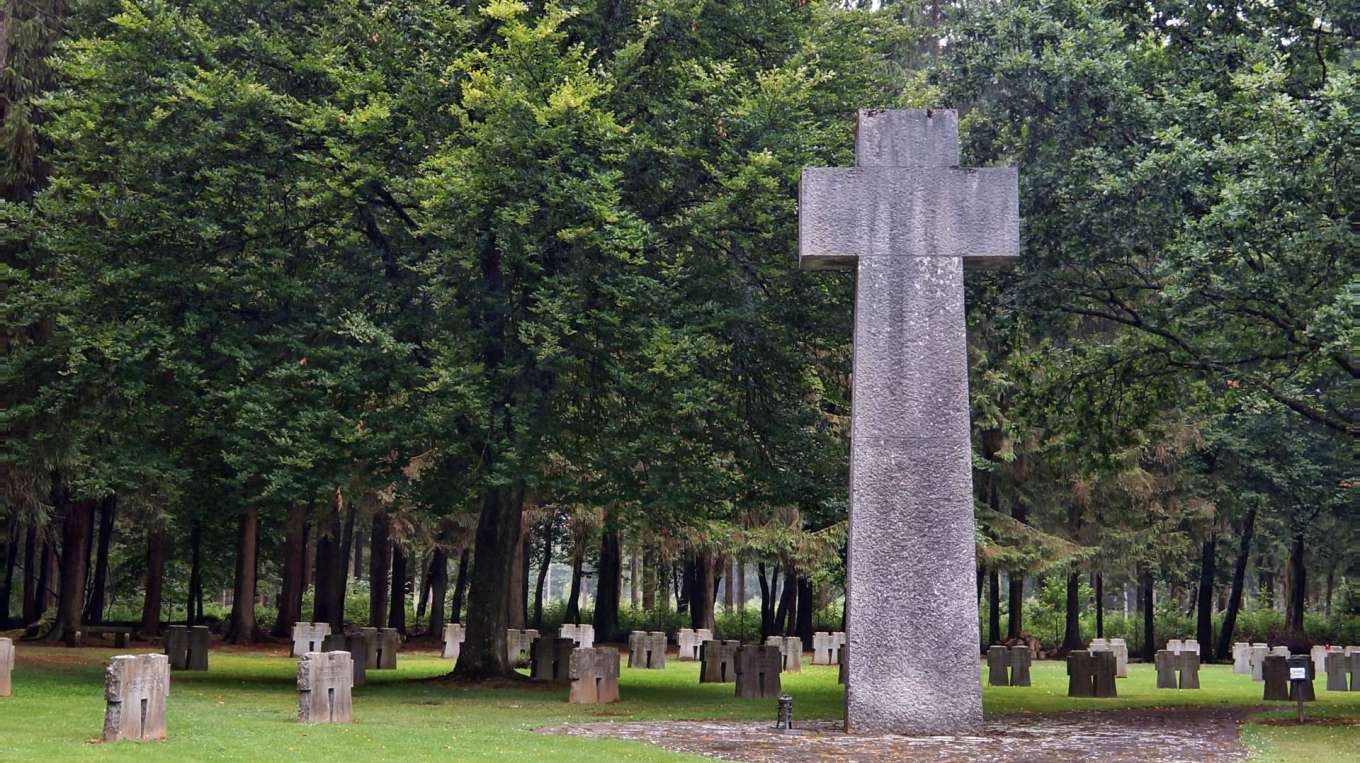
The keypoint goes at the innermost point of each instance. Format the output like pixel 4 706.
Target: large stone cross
pixel 908 221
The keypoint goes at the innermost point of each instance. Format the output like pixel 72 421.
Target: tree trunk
pixel 75 555
pixel 1149 638
pixel 1072 631
pixel 48 579
pixel 483 654
pixel 396 609
pixel 439 588
pixel 358 554
pixel 573 613
pixel 993 607
pixel 1238 582
pixel 1015 604
pixel 787 600
pixel 32 560
pixel 649 581
pixel 701 598
pixel 326 605
pixel 11 561
pixel 1298 588
pixel 379 560
pixel 156 552
pixel 194 607
pixel 1100 605
pixel 515 592
pixel 456 608
pixel 766 603
pixel 741 585
pixel 609 586
pixel 241 629
pixel 426 583
pixel 294 558
pixel 729 585
pixel 94 608
pixel 805 610
pixel 1204 625
pixel 635 580
pixel 544 563
pixel 346 551
pixel 1326 606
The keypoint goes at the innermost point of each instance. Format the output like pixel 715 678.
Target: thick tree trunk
pixel 48 579
pixel 515 597
pixel 1298 588
pixel 993 607
pixel 609 586
pixel 456 608
pixel 701 607
pixel 766 603
pixel 152 600
pixel 379 560
pixel 359 536
pixel 741 585
pixel 788 601
pixel 396 608
pixel 326 605
pixel 75 555
pixel 1149 638
pixel 805 610
pixel 1015 604
pixel 1327 590
pixel 573 613
pixel 686 589
pixel 194 606
pixel 729 586
pixel 635 579
pixel 241 629
pixel 346 549
pixel 294 558
pixel 1238 582
pixel 483 654
pixel 94 608
pixel 32 561
pixel 544 563
pixel 1072 631
pixel 1204 625
pixel 426 583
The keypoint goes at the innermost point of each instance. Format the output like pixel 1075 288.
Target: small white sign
pixel 1298 674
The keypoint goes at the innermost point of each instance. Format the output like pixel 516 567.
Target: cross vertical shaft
pixel 906 219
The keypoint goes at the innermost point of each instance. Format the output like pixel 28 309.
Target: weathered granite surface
pixel 307 637
pixel 136 688
pixel 594 673
pixel 357 644
pixel 906 219
pixel 454 634
pixel 551 659
pixel 758 670
pixel 6 666
pixel 718 661
pixel 325 682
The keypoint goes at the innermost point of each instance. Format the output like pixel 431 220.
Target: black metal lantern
pixel 784 713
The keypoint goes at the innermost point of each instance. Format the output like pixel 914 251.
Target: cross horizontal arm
pixel 845 214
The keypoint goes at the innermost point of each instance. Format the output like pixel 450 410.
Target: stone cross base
pixel 1008 666
pixel 689 641
pixel 519 645
pixel 307 637
pixel 551 659
pixel 647 650
pixel 136 687
pixel 186 647
pixel 594 674
pixel 826 647
pixel 454 634
pixel 358 647
pixel 791 650
pixel 325 681
pixel 718 662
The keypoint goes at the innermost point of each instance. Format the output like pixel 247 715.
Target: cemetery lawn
pixel 245 709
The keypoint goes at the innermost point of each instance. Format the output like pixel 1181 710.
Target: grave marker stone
pixel 1275 672
pixel 826 647
pixel 1300 690
pixel 594 674
pixel 791 648
pixel 998 665
pixel 1020 662
pixel 384 649
pixel 1080 678
pixel 1121 655
pixel 1241 654
pixel 1337 668
pixel 454 634
pixel 582 634
pixel 689 641
pixel 1188 662
pixel 307 637
pixel 6 666
pixel 1256 656
pixel 136 688
pixel 357 646
pixel 325 683
pixel 647 650
pixel 718 662
pixel 1103 667
pixel 1165 662
pixel 758 670
pixel 1174 645
pixel 1353 662
pixel 909 221
pixel 551 659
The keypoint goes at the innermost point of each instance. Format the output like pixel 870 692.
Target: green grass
pixel 245 709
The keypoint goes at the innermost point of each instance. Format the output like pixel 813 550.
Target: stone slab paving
pixel 1144 736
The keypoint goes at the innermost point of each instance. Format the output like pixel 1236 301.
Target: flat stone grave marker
pixel 186 647
pixel 551 659
pixel 1337 669
pixel 1257 656
pixel 1275 672
pixel 1103 666
pixel 1241 654
pixel 1353 661
pixel 1165 662
pixel 689 640
pixel 1080 678
pixel 758 670
pixel 1318 654
pixel 136 688
pixel 791 647
pixel 1301 691
pixel 1281 651
pixel 325 683
pixel 998 665
pixel 826 647
pixel 307 637
pixel 647 650
pixel 384 649
pixel 1020 663
pixel 519 644
pixel 6 666
pixel 454 634
pixel 581 633
pixel 1174 645
pixel 718 661
pixel 357 646
pixel 594 673
pixel 1188 662
pixel 1121 656
pixel 909 221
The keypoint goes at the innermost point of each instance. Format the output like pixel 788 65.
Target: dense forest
pixel 373 312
